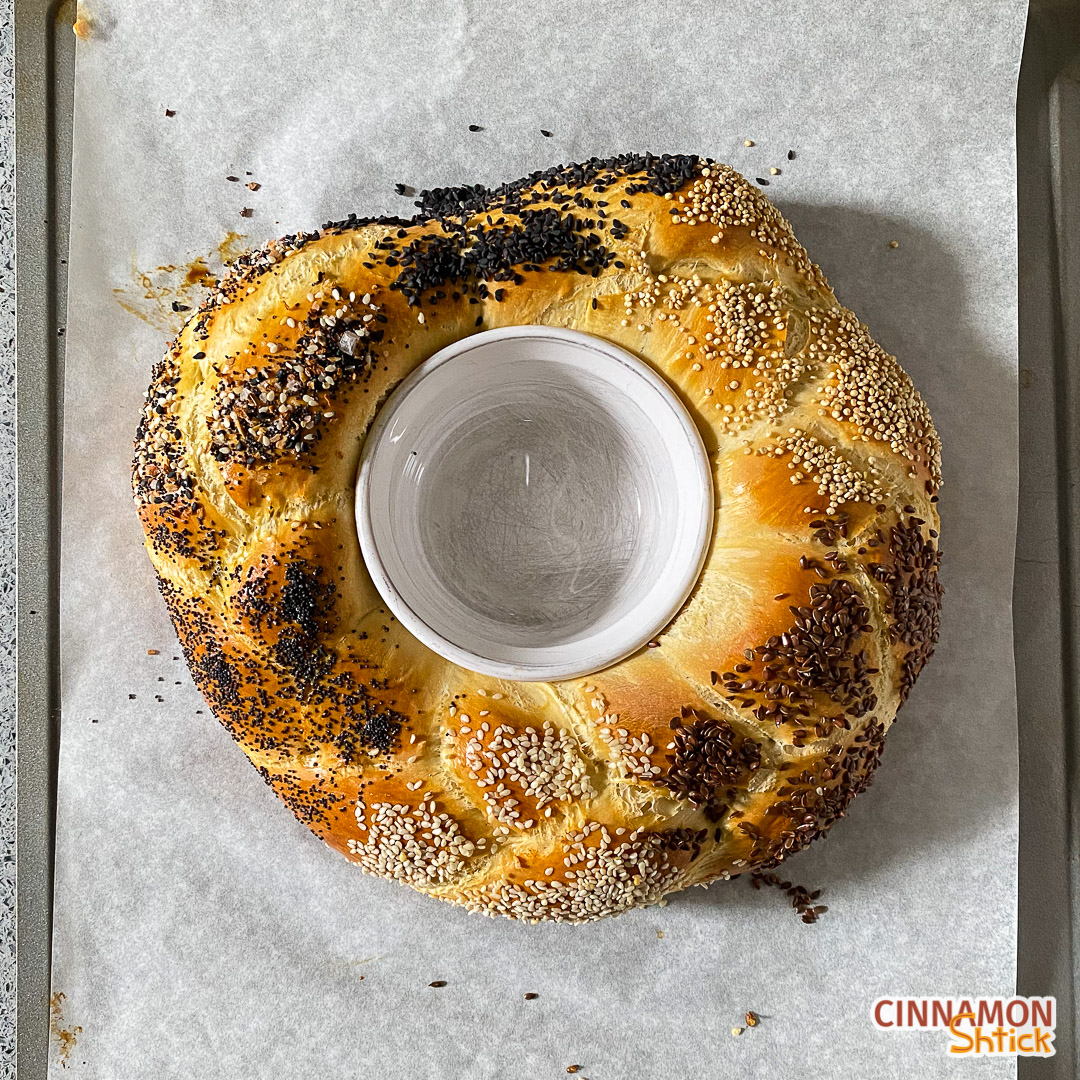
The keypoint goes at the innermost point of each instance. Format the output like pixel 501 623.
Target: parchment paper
pixel 200 931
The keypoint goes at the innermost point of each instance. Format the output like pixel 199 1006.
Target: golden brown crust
pixel 741 733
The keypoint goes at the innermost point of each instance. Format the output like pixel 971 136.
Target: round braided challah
pixel 741 733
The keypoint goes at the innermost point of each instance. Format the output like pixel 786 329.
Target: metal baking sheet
pixel 1048 564
pixel 44 90
pixel 1048 525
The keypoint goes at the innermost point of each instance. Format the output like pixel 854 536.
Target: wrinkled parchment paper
pixel 200 931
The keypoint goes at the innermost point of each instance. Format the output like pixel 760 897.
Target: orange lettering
pixel 954 1048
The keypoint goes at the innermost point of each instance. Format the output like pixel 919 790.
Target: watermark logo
pixel 977 1027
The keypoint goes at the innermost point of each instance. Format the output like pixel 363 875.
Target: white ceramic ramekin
pixel 534 503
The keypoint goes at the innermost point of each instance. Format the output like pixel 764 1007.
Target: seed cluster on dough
pixel 159 471
pixel 723 198
pixel 522 772
pixel 812 461
pixel 868 388
pixel 601 874
pixel 419 845
pixel 632 754
pixel 262 410
pixel 741 350
pixel 750 321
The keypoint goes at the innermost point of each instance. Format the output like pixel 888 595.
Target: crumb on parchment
pixel 66 1037
pixel 83 26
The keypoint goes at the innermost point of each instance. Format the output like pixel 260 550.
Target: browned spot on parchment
pixel 165 296
pixel 83 24
pixel 198 273
pixel 232 247
pixel 66 1037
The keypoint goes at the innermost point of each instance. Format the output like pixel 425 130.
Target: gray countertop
pixel 7 547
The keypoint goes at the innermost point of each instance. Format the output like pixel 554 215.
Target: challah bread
pixel 741 733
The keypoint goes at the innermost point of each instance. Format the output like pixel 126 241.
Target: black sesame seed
pixel 546 134
pixel 474 127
